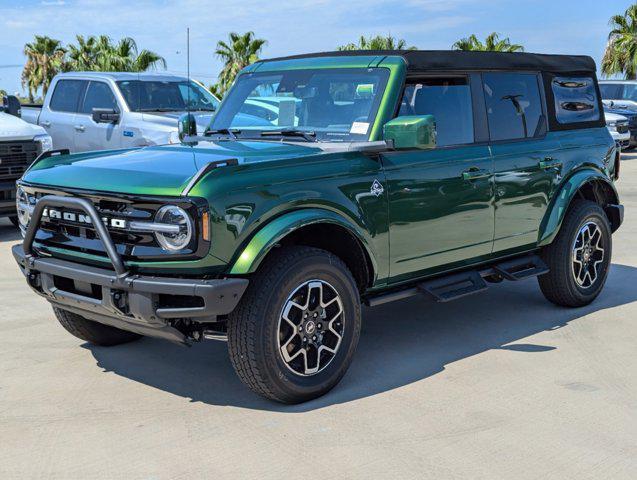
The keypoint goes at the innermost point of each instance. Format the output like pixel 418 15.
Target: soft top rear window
pixel 576 99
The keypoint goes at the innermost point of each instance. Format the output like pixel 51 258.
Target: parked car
pixel 388 176
pixel 620 97
pixel 86 111
pixel 20 144
pixel 618 127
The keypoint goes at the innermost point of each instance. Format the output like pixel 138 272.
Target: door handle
pixel 79 128
pixel 548 163
pixel 475 173
pixel 46 123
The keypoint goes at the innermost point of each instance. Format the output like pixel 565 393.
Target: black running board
pixel 458 285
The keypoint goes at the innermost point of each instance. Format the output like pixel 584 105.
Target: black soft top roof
pixel 421 60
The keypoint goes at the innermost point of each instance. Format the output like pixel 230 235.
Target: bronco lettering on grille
pixel 50 213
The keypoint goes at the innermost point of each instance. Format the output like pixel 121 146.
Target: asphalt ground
pixel 497 385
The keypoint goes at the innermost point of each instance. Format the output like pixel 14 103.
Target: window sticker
pixel 359 128
pixel 287 109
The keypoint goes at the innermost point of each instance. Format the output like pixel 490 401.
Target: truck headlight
pixel 22 208
pixel 45 141
pixel 174 215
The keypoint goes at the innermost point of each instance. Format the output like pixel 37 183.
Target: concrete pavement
pixel 499 385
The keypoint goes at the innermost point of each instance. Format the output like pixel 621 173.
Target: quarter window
pixel 575 99
pixel 514 105
pixel 66 96
pixel 98 95
pixel 449 101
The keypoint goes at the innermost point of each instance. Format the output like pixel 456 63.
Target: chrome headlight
pixel 180 237
pixel 23 208
pixel 45 141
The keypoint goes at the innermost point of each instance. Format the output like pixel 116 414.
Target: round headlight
pixel 22 208
pixel 173 215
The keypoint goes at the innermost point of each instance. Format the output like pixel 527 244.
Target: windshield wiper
pixel 308 136
pixel 231 132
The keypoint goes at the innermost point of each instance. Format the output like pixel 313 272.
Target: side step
pixel 458 285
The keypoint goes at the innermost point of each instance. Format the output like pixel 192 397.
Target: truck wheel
pixel 294 333
pixel 14 220
pixel 93 332
pixel 579 257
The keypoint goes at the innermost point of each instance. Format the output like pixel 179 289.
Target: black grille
pixel 15 157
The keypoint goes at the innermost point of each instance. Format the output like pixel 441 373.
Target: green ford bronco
pixel 325 182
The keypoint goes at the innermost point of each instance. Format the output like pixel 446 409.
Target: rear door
pixel 527 162
pixel 58 117
pixel 441 200
pixel 90 134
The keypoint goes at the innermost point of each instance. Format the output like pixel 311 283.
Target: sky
pixel 300 26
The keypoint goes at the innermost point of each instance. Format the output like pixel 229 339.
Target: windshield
pixel 155 95
pixel 618 91
pixel 335 105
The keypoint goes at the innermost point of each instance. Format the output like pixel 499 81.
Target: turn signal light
pixel 205 226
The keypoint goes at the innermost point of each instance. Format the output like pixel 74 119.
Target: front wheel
pixel 295 331
pixel 579 257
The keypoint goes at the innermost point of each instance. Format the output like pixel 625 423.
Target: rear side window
pixel 66 96
pixel 514 105
pixel 449 101
pixel 575 99
pixel 98 95
pixel 611 91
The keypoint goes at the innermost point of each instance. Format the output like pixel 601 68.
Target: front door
pixel 527 161
pixel 90 134
pixel 441 200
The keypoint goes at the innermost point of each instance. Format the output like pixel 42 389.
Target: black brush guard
pixel 118 297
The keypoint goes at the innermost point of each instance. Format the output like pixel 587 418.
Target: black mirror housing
pixel 105 115
pixel 11 105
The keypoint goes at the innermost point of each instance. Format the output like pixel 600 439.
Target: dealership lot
pixel 498 385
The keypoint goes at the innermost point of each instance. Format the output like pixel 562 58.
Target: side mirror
pixel 105 115
pixel 11 105
pixel 187 126
pixel 411 131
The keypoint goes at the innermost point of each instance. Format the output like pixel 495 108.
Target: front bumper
pixel 7 198
pixel 148 305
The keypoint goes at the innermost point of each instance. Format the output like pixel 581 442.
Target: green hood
pixel 161 171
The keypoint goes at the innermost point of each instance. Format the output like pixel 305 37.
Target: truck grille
pixel 70 233
pixel 15 158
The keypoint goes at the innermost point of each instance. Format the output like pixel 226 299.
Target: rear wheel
pixel 93 332
pixel 293 336
pixel 579 257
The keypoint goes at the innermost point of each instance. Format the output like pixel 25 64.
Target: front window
pixel 166 96
pixel 331 105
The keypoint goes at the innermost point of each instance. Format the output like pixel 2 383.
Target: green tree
pixel 100 53
pixel 45 58
pixel 492 43
pixel 379 42
pixel 620 56
pixel 238 53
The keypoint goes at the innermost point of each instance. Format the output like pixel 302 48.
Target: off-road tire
pixel 559 285
pixel 93 332
pixel 253 327
pixel 14 219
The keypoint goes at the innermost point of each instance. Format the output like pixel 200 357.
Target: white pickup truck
pixel 20 144
pixel 86 111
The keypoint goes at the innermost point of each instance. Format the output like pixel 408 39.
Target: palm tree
pixel 101 54
pixel 45 58
pixel 491 44
pixel 241 51
pixel 620 56
pixel 379 42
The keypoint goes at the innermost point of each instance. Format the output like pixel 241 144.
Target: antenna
pixel 188 66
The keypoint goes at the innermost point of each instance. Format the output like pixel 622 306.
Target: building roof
pixel 427 60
